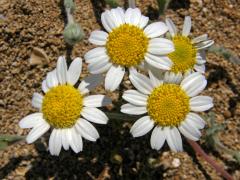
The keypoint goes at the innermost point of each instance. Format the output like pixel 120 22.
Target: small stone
pixel 117 158
pixel 176 162
pixel 227 114
pixel 38 56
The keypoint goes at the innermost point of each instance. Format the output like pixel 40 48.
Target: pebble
pixel 176 162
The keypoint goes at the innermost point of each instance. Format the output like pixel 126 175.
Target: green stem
pixel 131 3
pixel 162 6
pixel 70 19
pixel 120 116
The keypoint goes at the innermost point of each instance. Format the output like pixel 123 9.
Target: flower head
pixel 68 110
pixel 127 44
pixel 188 55
pixel 170 107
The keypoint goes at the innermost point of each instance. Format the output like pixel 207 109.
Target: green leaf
pixel 10 138
pixel 225 53
pixel 3 145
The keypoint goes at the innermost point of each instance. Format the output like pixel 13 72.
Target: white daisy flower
pixel 68 110
pixel 188 55
pixel 127 43
pixel 169 107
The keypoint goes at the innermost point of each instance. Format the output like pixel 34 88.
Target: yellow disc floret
pixel 168 105
pixel 62 106
pixel 127 45
pixel 184 56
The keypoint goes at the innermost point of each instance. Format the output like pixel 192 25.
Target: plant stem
pixel 131 3
pixel 207 158
pixel 119 116
pixel 69 16
pixel 162 6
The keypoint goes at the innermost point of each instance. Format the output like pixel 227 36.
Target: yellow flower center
pixel 62 106
pixel 127 45
pixel 184 56
pixel 168 105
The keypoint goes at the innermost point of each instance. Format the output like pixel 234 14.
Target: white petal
pixel 200 68
pixel 142 126
pixel 132 109
pixel 158 138
pixel 94 115
pixel 52 79
pixel 51 143
pixel 108 21
pixel 128 15
pixel 201 103
pixel 172 78
pixel 193 84
pixel 37 100
pixel 62 70
pixel 99 67
pixel 75 140
pixel 105 22
pixel 44 86
pixel 141 82
pixel 132 16
pixel 74 71
pixel 187 26
pixel 160 62
pixel 155 81
pixel 87 130
pixel 118 16
pixel 190 131
pixel 200 60
pixel 171 26
pixel 90 82
pixel 204 44
pixel 96 101
pixel 200 38
pixel 31 120
pixel 174 139
pixel 57 142
pixel 98 37
pixel 135 97
pixel 65 142
pixel 187 134
pixel 195 120
pixel 187 73
pixel 114 77
pixel 37 131
pixel 156 29
pixel 160 46
pixel 143 21
pixel 96 55
pixel 156 76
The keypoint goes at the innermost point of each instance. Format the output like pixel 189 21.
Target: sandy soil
pixel 28 24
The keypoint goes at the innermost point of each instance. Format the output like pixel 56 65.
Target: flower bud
pixel 69 4
pixel 73 33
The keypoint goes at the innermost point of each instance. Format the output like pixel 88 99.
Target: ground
pixel 25 25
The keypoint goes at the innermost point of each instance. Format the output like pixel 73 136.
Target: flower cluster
pixel 166 68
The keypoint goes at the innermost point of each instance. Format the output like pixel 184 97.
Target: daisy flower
pixel 65 109
pixel 188 55
pixel 127 43
pixel 169 107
